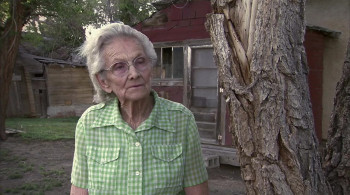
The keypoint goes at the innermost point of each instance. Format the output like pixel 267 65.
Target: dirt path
pixel 35 167
pixel 43 167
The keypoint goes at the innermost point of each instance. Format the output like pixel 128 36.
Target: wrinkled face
pixel 132 85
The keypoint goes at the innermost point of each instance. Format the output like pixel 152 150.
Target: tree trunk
pixel 9 43
pixel 258 46
pixel 337 160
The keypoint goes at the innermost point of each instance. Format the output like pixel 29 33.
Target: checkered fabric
pixel 162 156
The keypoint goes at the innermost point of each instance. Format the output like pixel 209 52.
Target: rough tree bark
pixel 258 46
pixel 9 43
pixel 337 160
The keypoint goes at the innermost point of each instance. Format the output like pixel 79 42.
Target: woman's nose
pixel 133 73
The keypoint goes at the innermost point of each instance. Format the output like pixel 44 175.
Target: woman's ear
pixel 103 83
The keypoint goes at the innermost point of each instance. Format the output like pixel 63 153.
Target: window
pixel 170 64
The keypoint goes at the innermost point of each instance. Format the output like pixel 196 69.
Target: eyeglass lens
pixel 121 68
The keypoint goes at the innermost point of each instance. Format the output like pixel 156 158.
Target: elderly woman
pixel 133 142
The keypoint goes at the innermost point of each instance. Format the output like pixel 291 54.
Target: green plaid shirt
pixel 162 156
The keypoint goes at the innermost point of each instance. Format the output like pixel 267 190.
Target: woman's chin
pixel 137 94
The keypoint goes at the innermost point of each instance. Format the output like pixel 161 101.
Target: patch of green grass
pixel 26 188
pixel 13 190
pixel 26 167
pixel 22 168
pixel 44 128
pixel 6 156
pixel 30 187
pixel 51 183
pixel 50 180
pixel 15 175
pixel 51 173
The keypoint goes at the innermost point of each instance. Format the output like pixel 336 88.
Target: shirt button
pixel 137 144
pixel 138 173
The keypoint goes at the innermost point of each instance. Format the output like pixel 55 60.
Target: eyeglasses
pixel 120 69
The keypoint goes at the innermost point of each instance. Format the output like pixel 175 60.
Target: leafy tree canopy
pixel 56 23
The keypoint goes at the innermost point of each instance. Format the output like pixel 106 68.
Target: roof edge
pixel 163 4
pixel 324 31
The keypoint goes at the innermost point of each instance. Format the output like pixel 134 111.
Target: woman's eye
pixel 119 66
pixel 140 60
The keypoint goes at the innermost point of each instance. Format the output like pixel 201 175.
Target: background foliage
pixel 55 24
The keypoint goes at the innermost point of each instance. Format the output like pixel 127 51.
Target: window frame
pixel 185 45
pixel 172 68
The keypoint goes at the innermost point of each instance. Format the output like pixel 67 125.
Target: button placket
pixel 135 166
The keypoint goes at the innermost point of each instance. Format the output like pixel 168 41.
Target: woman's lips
pixel 135 86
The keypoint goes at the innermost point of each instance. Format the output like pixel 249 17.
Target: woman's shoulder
pixel 94 110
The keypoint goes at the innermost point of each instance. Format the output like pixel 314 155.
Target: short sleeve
pixel 79 176
pixel 195 171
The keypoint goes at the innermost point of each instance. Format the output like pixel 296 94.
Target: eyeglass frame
pixel 151 60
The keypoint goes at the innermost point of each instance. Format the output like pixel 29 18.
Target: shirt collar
pixel 107 113
pixel 110 115
pixel 159 117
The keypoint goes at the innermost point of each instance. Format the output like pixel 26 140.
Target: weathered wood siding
pixel 69 90
pixel 18 105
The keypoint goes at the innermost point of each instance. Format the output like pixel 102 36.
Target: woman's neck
pixel 135 112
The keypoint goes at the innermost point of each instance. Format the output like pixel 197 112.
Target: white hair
pixel 93 47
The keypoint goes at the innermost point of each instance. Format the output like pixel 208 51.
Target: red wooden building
pixel 186 71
